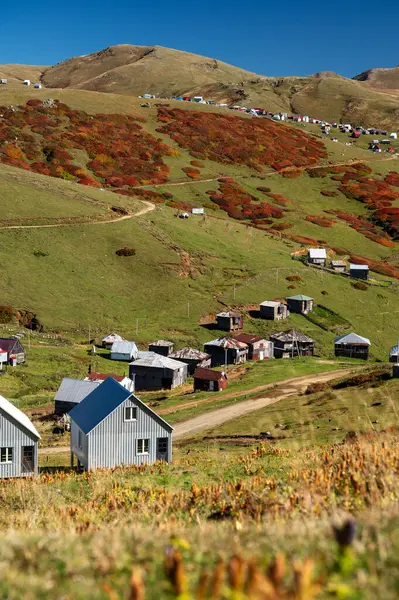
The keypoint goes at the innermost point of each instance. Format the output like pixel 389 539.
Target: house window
pixel 6 455
pixel 130 413
pixel 80 439
pixel 143 446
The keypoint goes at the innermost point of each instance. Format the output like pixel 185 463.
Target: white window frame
pixel 142 443
pixel 9 452
pixel 133 411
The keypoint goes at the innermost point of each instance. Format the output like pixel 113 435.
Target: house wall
pixel 119 356
pixel 162 350
pixel 223 323
pixel 204 385
pixel 155 378
pixel 350 351
pixel 62 407
pixel 13 435
pixel 268 312
pixel 218 356
pixel 355 274
pixel 114 441
pixel 82 454
pixel 194 364
pixel 258 347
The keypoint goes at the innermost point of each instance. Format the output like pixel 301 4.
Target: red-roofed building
pixel 126 382
pixel 208 380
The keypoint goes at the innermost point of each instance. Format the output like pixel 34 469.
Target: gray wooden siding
pixel 13 435
pixel 114 441
pixel 82 454
pixel 119 356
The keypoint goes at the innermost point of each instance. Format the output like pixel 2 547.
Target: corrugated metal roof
pixel 394 351
pixel 18 416
pixel 74 390
pixel 102 402
pixel 229 313
pixel 162 343
pixel 124 348
pixel 354 267
pixel 352 338
pixel 299 297
pixel 208 374
pixel 338 263
pixel 151 359
pixel 270 303
pixel 317 253
pixel 189 354
pixel 8 344
pixel 112 337
pixel 227 343
pixel 94 376
pixel 291 336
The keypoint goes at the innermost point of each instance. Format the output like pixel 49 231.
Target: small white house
pixel 317 256
pixel 38 86
pixel 197 211
pixel 124 351
pixel 26 81
pixel 198 99
pixel 3 81
pixel 305 119
pixel 393 136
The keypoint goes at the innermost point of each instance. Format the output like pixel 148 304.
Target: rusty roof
pixel 209 374
pixel 291 335
pixel 94 376
pixel 189 354
pixel 248 338
pixel 225 342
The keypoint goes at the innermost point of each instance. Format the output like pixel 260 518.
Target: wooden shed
pixel 152 371
pixel 273 311
pixel 18 442
pixel 162 347
pixel 229 321
pixel 338 266
pixel 352 345
pixel 124 351
pixel 317 256
pixel 111 427
pixel 359 271
pixel 226 351
pixel 258 347
pixel 15 351
pixel 208 380
pixel 288 344
pixel 110 339
pixel 193 358
pixel 71 392
pixel 300 304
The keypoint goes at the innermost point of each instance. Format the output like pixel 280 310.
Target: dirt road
pixel 279 391
pixel 149 207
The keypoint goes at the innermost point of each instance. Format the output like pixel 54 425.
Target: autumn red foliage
pixel 320 220
pixel 230 139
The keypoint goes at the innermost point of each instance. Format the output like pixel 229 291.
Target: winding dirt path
pixel 149 207
pixel 283 389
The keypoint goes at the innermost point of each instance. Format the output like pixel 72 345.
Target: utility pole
pixel 29 339
pixel 89 335
pixel 276 276
pixel 225 358
pixel 234 291
pixel 188 309
pixel 137 326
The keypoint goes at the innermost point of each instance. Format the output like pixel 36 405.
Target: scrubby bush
pixel 359 285
pixel 126 252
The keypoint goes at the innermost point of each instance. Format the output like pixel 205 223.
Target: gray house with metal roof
pixel 18 442
pixel 71 392
pixel 156 372
pixel 111 427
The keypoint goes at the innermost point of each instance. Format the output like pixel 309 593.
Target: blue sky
pixel 268 38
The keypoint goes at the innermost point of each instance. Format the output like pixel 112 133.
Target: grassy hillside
pixel 134 70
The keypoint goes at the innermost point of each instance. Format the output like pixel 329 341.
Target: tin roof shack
pixel 229 321
pixel 226 351
pixel 112 427
pixel 317 256
pixel 193 358
pixel 124 351
pixel 258 347
pixel 288 344
pixel 71 392
pixel 300 304
pixel 18 442
pixel 352 346
pixel 156 372
pixel 126 382
pixel 394 354
pixel 338 266
pixel 208 380
pixel 110 339
pixel 16 354
pixel 161 347
pixel 273 311
pixel 356 272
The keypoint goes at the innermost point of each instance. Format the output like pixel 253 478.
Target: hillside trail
pixel 280 391
pixel 346 163
pixel 149 207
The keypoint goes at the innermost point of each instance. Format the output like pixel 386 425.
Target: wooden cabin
pixel 291 343
pixel 300 304
pixel 229 321
pixel 352 345
pixel 273 311
pixel 208 380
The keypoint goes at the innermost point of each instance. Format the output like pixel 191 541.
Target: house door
pixel 211 386
pixel 162 449
pixel 28 459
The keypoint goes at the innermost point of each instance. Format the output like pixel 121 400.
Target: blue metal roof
pixel 100 403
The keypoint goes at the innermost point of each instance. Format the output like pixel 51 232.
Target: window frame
pixel 143 452
pixel 133 410
pixel 9 450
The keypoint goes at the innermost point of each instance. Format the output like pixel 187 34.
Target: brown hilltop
pixel 381 78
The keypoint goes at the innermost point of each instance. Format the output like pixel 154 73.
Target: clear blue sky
pixel 290 38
